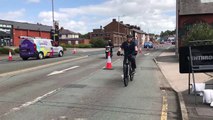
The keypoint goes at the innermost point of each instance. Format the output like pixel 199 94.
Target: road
pixel 83 90
pixel 18 63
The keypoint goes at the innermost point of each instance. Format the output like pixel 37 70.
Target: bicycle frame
pixel 127 71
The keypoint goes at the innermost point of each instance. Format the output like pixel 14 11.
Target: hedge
pixel 76 46
pixel 84 46
pixel 6 50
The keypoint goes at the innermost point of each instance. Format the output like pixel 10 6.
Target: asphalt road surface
pixel 83 90
pixel 17 63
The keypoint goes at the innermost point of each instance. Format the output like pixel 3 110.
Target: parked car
pixel 148 44
pixel 162 42
pixel 173 42
pixel 38 48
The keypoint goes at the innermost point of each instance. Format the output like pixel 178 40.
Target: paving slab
pixel 169 65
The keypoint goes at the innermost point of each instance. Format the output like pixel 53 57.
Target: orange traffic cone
pixel 109 62
pixel 74 51
pixel 10 57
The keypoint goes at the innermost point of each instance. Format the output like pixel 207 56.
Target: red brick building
pixel 190 12
pixel 11 31
pixel 117 32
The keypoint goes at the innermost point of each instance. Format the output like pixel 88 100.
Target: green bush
pixel 76 46
pixel 84 46
pixel 97 43
pixel 16 50
pixel 6 50
pixel 66 45
pixel 201 31
pixel 64 48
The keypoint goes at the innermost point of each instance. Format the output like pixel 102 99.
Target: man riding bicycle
pixel 130 51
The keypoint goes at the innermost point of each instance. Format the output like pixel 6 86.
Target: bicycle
pixel 127 71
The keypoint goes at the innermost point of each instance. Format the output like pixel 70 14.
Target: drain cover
pixel 74 86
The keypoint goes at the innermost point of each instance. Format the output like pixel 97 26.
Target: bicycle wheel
pixel 131 74
pixel 125 72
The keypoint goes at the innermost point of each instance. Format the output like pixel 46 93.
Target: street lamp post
pixel 53 20
pixel 118 30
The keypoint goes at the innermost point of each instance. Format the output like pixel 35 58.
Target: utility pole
pixel 53 20
pixel 118 29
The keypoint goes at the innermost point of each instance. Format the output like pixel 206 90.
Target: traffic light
pixel 52 32
pixel 56 31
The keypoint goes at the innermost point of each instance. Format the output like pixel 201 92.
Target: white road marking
pixel 168 47
pixel 30 102
pixel 80 119
pixel 41 67
pixel 147 54
pixel 122 76
pixel 63 118
pixel 62 71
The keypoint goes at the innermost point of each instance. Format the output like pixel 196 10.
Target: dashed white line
pixel 30 102
pixel 62 71
pixel 147 54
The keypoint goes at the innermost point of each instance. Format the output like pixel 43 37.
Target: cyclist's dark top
pixel 129 48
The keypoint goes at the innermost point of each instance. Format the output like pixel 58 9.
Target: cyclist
pixel 130 51
pixel 109 43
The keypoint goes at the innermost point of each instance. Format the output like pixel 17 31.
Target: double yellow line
pixel 164 109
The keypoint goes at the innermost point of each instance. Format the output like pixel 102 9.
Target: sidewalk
pixel 169 66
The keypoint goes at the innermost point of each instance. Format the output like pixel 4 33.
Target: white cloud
pixel 14 15
pixel 151 15
pixel 33 1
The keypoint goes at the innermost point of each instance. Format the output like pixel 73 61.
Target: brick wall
pixel 85 41
pixel 18 32
pixel 112 30
pixel 113 27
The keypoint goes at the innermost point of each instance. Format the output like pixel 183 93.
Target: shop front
pixel 6 35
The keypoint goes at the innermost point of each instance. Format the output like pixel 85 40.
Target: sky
pixel 82 16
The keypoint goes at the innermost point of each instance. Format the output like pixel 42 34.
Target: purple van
pixel 27 49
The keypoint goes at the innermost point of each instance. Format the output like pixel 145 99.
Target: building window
pixel 63 36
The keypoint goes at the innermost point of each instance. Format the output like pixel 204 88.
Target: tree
pixel 86 36
pixel 97 43
pixel 200 31
pixel 167 33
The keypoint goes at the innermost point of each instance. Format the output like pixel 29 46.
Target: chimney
pixel 121 22
pixel 101 27
pixel 113 20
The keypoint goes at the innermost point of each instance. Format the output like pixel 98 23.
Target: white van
pixel 39 48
